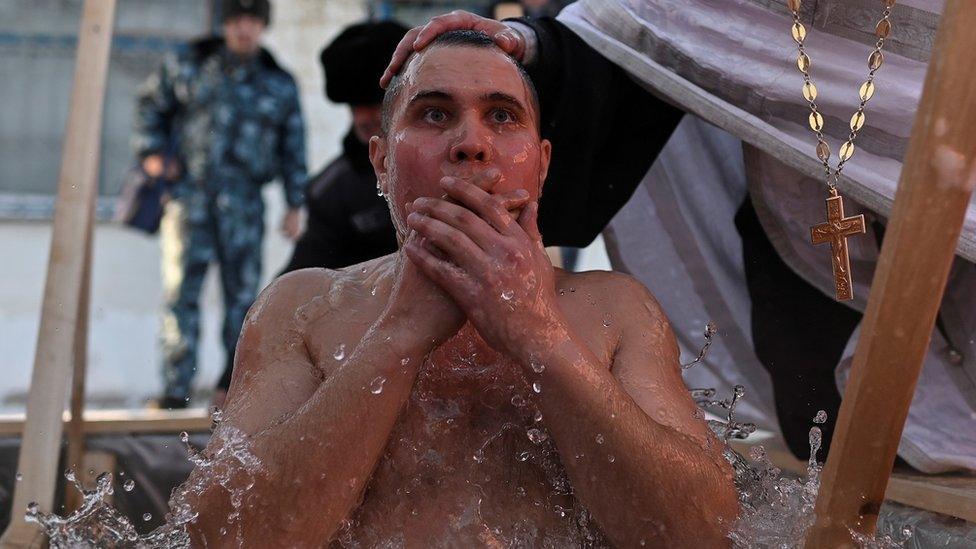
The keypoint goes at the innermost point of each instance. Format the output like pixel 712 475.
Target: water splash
pixel 710 330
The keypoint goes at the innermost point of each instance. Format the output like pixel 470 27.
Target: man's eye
pixel 434 115
pixel 502 116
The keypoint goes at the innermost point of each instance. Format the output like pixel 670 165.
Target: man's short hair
pixel 455 38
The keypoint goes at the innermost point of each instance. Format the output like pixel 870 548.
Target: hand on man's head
pixel 420 37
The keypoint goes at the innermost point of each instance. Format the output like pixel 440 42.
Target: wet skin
pixel 393 402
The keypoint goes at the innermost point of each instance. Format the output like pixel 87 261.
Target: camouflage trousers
pixel 195 232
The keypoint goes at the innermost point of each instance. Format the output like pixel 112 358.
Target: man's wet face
pixel 461 111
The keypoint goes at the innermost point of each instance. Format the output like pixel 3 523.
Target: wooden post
pixel 77 189
pixel 936 184
pixel 76 427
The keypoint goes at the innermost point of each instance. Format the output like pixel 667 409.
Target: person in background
pixel 231 116
pixel 348 222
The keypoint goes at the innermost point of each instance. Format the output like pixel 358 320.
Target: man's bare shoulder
pixel 612 292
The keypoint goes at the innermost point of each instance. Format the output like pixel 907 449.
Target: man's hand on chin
pixel 494 267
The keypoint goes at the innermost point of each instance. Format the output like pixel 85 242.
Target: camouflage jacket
pixel 232 123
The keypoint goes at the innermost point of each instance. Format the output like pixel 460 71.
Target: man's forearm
pixel 315 464
pixel 641 479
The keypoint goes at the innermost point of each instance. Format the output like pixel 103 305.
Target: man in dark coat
pixel 348 222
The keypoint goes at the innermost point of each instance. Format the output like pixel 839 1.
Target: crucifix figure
pixel 835 231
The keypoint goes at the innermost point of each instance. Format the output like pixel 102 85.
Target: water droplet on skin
pixel 373 291
pixel 147 517
pixel 537 367
pixel 611 459
pixel 69 475
pixel 538 416
pixel 537 387
pixel 520 492
pixel 376 386
pixel 523 456
pixel 537 436
pixel 222 531
pixel 562 292
pixel 643 543
pixel 507 295
pixel 129 485
pixel 405 361
pixel 340 353
pixel 599 438
pixel 518 401
pixel 607 321
pixel 821 417
pixel 33 508
pixel 479 456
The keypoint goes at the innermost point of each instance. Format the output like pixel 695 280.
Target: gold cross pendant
pixel 835 231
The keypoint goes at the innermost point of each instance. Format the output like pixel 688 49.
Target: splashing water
pixel 710 331
pixel 777 508
pixel 229 464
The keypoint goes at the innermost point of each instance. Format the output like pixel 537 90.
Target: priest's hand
pixel 493 266
pixel 418 38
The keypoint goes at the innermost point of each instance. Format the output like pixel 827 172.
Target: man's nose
pixel 472 145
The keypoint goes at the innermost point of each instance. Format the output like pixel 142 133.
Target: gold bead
pixel 809 91
pixel 799 32
pixel 875 60
pixel 803 63
pixel 857 121
pixel 823 151
pixel 816 121
pixel 794 5
pixel 846 151
pixel 883 29
pixel 867 91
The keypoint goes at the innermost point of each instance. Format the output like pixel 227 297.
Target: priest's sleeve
pixel 606 131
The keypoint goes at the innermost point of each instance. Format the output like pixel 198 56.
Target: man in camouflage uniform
pixel 220 119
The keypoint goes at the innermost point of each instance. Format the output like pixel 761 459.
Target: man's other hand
pixel 291 225
pixel 417 38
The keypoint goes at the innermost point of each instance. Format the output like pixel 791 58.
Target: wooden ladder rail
pixel 62 305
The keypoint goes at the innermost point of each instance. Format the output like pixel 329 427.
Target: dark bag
pixel 140 204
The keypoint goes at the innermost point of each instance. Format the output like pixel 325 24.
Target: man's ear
pixel 377 157
pixel 545 155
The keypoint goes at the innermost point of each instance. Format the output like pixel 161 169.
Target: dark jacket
pixel 347 222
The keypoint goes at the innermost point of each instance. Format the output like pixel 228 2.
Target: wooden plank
pixel 76 428
pixel 104 422
pixel 936 184
pixel 77 188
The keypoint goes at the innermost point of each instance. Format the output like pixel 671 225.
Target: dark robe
pixel 606 132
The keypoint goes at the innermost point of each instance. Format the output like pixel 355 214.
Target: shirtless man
pixel 461 392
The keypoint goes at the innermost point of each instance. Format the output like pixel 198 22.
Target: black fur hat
pixel 257 8
pixel 355 60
